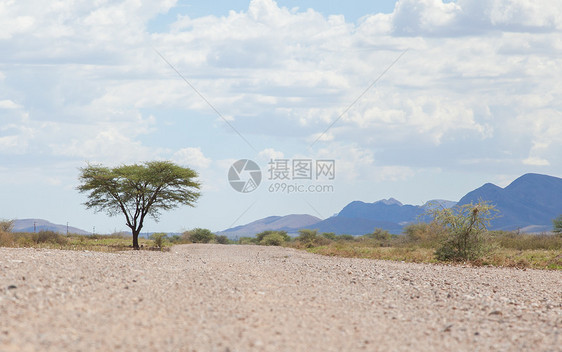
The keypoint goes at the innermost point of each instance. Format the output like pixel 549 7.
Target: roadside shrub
pixel 426 235
pixel 380 235
pixel 49 237
pixel 222 239
pixel 260 236
pixel 199 235
pixel 346 238
pixel 158 239
pixel 6 239
pixel 6 225
pixel 525 241
pixel 273 239
pixel 307 237
pixel 466 227
pixel 248 240
pixel 329 235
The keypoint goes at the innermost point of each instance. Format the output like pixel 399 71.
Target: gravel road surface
pixel 253 298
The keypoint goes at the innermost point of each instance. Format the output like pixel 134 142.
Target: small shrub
pixel 260 236
pixel 273 239
pixel 49 237
pixel 466 230
pixel 307 237
pixel 248 240
pixel 222 239
pixel 329 235
pixel 199 235
pixel 6 225
pixel 524 241
pixel 158 239
pixel 6 239
pixel 346 238
pixel 426 235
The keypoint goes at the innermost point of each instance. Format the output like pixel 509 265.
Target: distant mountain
pixel 31 225
pixel 529 203
pixel 389 210
pixel 360 218
pixel 356 218
pixel 287 223
pixel 353 226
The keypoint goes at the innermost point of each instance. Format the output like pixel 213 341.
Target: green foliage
pixel 222 239
pixel 329 235
pixel 260 236
pixel 345 238
pixel 159 239
pixel 307 237
pixel 248 240
pixel 466 227
pixel 526 242
pixel 557 225
pixel 380 235
pixel 49 237
pixel 426 235
pixel 199 235
pixel 273 239
pixel 6 225
pixel 137 191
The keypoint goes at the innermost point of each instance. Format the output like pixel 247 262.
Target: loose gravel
pixel 253 298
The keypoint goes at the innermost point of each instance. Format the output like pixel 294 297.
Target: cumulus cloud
pixel 475 77
pixel 192 157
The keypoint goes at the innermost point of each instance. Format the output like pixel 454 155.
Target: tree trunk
pixel 136 239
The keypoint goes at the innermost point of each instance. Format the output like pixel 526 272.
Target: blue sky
pixel 470 93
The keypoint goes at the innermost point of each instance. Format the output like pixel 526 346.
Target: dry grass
pixel 52 240
pixel 503 249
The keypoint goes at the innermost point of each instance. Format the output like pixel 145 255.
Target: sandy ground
pixel 250 298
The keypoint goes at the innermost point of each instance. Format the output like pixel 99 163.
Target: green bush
pixel 524 241
pixel 425 235
pixel 329 235
pixel 273 239
pixel 6 239
pixel 466 227
pixel 222 239
pixel 6 225
pixel 49 237
pixel 346 238
pixel 380 235
pixel 200 235
pixel 260 236
pixel 307 237
pixel 158 239
pixel 248 240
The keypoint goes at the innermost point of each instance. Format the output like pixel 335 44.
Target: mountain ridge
pixel 529 203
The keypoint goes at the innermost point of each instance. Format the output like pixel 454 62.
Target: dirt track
pixel 246 298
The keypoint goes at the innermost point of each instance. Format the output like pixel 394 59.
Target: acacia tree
pixel 466 226
pixel 137 191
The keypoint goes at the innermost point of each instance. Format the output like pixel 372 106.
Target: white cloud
pixel 192 157
pixel 474 72
pixel 270 154
pixel 394 173
pixel 8 104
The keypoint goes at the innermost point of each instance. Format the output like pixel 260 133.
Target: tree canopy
pixel 138 190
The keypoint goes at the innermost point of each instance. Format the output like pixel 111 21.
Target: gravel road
pixel 253 298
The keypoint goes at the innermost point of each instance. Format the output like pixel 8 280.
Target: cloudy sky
pixel 412 99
